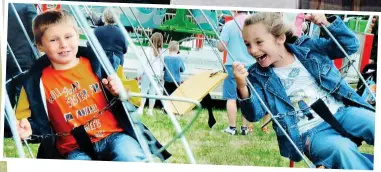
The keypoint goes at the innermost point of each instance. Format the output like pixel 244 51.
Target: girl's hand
pixel 240 74
pixel 318 19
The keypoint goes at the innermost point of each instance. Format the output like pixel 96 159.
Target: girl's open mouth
pixel 263 57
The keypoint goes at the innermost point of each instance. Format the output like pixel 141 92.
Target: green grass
pixel 211 146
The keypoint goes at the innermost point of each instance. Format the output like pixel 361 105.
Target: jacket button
pixel 350 95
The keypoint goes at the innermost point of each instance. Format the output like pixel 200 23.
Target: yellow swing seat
pixel 196 87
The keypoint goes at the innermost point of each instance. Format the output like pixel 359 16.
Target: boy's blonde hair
pixel 157 42
pixel 48 18
pixel 108 16
pixel 173 46
pixel 274 23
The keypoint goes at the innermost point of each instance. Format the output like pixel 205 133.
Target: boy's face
pixel 60 43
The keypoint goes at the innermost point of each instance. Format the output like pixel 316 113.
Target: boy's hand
pixel 110 85
pixel 24 129
pixel 240 74
pixel 318 19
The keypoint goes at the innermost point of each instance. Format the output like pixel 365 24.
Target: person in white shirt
pixel 155 69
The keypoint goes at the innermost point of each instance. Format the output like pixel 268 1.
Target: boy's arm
pixel 346 37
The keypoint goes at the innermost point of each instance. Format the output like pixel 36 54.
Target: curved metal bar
pixel 165 106
pixel 88 11
pixel 263 103
pixel 141 45
pixel 202 30
pixel 20 72
pixel 14 77
pixel 11 118
pixel 35 52
pixel 151 43
pixel 111 72
pixel 29 150
pixel 182 40
pixel 342 50
pixel 187 127
pixel 14 57
pixel 347 56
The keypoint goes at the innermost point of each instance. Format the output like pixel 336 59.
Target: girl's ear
pixel 281 39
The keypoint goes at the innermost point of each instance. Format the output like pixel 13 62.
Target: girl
pixel 290 72
pixel 155 65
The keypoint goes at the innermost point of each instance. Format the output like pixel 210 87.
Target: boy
pixel 175 65
pixel 63 97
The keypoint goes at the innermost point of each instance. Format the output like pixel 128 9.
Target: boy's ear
pixel 281 39
pixel 40 47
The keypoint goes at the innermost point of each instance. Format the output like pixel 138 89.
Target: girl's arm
pixel 250 106
pixel 346 37
pixel 251 109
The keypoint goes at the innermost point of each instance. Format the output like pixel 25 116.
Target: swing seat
pixel 131 84
pixel 195 87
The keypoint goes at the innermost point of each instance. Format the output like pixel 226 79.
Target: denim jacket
pixel 316 56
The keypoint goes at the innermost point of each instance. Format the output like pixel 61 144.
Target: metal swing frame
pixel 10 116
pixel 350 64
pixel 257 95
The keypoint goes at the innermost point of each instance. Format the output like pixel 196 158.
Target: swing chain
pixel 64 134
pixel 215 73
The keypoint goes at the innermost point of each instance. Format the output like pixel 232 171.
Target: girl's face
pixel 262 45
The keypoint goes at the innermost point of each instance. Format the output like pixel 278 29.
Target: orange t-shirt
pixel 73 97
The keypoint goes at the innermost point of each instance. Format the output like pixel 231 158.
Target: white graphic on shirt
pixel 73 95
pixel 300 85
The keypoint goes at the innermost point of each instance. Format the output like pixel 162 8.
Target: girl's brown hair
pixel 274 24
pixel 157 42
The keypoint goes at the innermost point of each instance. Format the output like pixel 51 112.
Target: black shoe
pixel 244 131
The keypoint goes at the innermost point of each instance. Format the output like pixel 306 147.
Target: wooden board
pixel 196 88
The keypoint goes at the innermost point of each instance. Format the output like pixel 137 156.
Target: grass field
pixel 211 146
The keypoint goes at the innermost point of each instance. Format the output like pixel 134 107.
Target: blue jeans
pixel 115 147
pixel 324 146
